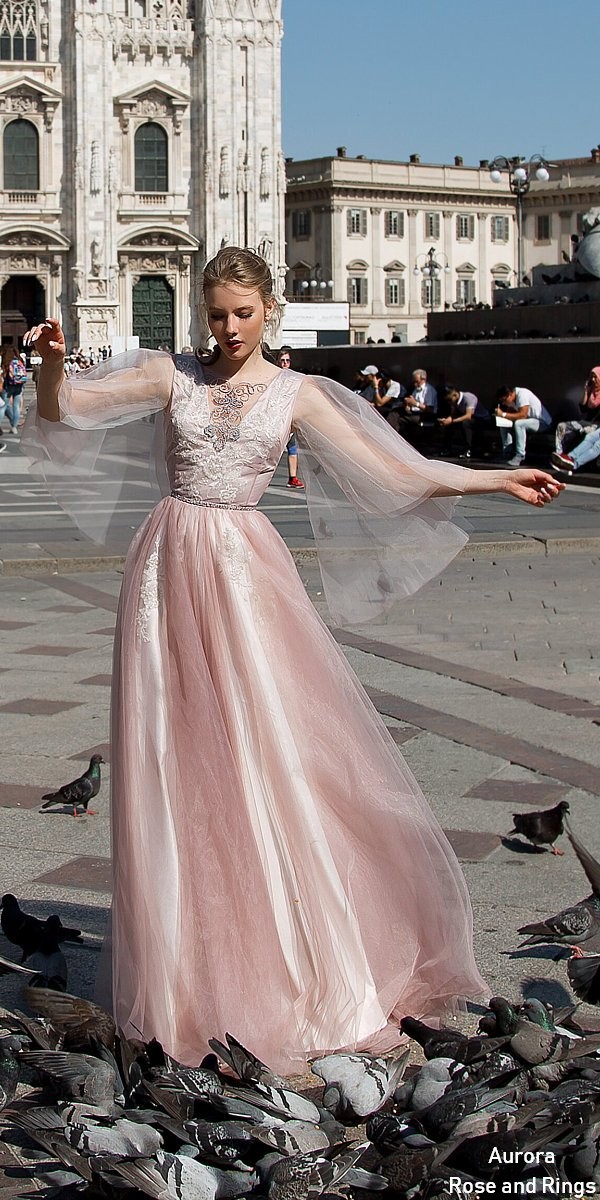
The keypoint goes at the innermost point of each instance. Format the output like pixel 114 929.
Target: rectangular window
pixel 465 291
pixel 394 292
pixel 500 229
pixel 357 289
pixel 357 222
pixel 426 293
pixel 432 225
pixel 301 223
pixel 543 226
pixel 465 227
pixel 360 337
pixel 394 224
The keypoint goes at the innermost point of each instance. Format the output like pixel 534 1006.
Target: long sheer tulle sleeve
pixel 380 529
pixel 101 462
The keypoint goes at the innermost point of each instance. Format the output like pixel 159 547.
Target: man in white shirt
pixel 524 410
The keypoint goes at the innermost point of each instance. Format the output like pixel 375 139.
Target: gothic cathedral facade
pixel 138 137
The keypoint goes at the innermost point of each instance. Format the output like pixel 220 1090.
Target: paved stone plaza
pixel 490 687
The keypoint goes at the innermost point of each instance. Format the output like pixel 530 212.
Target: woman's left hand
pixel 533 487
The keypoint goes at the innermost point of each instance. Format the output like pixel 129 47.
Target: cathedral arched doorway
pixel 22 304
pixel 153 312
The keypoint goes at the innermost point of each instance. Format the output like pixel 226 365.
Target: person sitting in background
pixel 568 432
pixel 284 359
pixel 586 452
pixel 463 410
pixel 525 411
pixel 389 399
pixel 366 383
pixel 421 402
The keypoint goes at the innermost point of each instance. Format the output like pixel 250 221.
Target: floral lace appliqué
pixel 149 598
pixel 235 557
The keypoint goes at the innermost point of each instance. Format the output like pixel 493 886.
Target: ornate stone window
pixel 19 31
pixel 21 157
pixel 151 158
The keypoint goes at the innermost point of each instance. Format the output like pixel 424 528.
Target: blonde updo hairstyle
pixel 233 264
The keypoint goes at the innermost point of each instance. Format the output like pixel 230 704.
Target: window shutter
pixel 349 221
pixel 363 222
pixel 401 291
pixel 388 224
pixel 350 291
pixel 472 227
pixel 401 224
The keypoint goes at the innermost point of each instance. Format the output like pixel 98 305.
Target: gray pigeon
pixel 358 1085
pixel 244 1064
pixel 123 1139
pixel 47 967
pixel 581 922
pixel 80 791
pixel 179 1177
pixel 306 1176
pixel 584 977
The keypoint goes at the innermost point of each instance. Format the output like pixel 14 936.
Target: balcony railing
pixel 23 197
pixel 152 198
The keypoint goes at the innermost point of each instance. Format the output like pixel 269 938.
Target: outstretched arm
pixel 120 389
pixel 329 413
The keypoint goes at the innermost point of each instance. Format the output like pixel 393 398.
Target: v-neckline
pixel 244 412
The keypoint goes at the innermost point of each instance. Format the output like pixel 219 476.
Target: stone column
pixel 448 247
pixel 483 285
pixel 377 292
pixel 414 283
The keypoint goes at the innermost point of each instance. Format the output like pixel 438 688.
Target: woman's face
pixel 236 318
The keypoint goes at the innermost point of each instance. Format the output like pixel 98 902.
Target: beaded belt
pixel 210 503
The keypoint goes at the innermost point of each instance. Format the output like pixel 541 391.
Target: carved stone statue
pixel 96 253
pixel 224 172
pixel 588 250
pixel 95 170
pixel 265 173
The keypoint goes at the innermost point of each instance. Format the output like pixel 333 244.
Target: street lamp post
pixel 431 270
pixel 520 173
pixel 316 286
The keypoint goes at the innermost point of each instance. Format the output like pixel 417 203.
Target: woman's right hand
pixel 48 339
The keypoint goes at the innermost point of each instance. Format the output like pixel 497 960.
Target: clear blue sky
pixel 389 78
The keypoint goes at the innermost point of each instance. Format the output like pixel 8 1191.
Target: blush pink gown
pixel 277 871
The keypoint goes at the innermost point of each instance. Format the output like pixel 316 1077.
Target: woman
pixel 14 375
pixel 284 360
pixel 589 408
pixel 277 872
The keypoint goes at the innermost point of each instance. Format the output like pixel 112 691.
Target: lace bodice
pixel 238 471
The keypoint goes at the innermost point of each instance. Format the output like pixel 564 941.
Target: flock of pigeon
pixel 515 1106
pixel 517 1102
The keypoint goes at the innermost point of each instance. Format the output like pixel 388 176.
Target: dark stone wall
pixel 529 321
pixel 555 370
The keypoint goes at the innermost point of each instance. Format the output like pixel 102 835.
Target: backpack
pixel 17 371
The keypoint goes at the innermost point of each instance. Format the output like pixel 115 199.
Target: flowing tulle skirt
pixel 277 871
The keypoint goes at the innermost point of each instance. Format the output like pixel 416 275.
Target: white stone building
pixel 368 226
pixel 138 136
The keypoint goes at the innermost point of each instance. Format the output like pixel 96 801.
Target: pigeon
pixel 244 1064
pixel 76 1019
pixel 78 793
pixel 47 967
pixel 26 931
pixel 357 1085
pixel 179 1177
pixel 542 828
pixel 9 1071
pixel 581 922
pixel 77 1076
pixel 449 1043
pixel 584 977
pixel 306 1176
